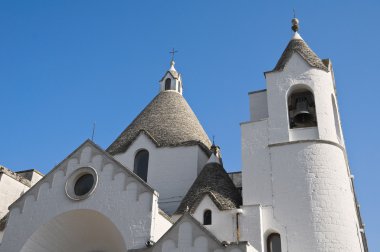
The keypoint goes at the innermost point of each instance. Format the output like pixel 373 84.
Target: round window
pixel 84 184
pixel 81 183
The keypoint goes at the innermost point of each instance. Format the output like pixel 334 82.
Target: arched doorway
pixel 76 231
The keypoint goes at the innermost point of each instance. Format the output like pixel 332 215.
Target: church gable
pixel 91 156
pixel 187 234
pixel 88 179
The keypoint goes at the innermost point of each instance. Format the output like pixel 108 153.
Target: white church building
pixel 161 185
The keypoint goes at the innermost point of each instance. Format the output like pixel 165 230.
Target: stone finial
pixel 295 23
pixel 172 63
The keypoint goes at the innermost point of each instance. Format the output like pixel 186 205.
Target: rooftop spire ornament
pixel 295 23
pixel 172 52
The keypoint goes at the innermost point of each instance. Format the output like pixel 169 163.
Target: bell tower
pixel 294 159
pixel 172 80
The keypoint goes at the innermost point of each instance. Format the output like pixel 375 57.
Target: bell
pixel 302 115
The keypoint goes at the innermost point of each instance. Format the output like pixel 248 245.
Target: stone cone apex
pixel 296 35
pixel 213 159
pixel 172 63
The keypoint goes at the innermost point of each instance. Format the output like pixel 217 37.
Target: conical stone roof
pixel 213 181
pixel 298 45
pixel 168 120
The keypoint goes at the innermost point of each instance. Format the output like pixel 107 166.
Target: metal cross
pixel 172 52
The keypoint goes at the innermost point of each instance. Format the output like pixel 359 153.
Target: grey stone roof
pixel 168 120
pixel 300 46
pixel 215 182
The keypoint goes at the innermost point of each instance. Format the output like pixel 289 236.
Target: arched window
pixel 168 83
pixel 274 243
pixel 179 87
pixel 301 108
pixel 207 217
pixel 141 164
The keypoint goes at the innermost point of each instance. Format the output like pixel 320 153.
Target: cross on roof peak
pixel 172 52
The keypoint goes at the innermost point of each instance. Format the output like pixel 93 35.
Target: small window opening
pixel 274 243
pixel 168 83
pixel 207 217
pixel 141 164
pixel 301 108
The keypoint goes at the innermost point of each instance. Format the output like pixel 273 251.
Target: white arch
pixel 76 231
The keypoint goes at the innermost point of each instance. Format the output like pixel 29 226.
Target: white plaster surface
pixel 311 180
pixel 10 190
pixel 256 164
pixel 250 221
pixel 223 224
pixel 258 105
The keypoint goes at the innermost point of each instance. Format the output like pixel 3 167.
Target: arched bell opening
pixel 301 109
pixel 76 231
pixel 168 84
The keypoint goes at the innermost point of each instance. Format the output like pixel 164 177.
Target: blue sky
pixel 67 64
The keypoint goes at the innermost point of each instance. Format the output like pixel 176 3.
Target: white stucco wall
pixel 258 105
pixel 10 190
pixel 124 201
pixel 256 163
pixel 171 171
pixel 251 226
pixel 313 198
pixel 223 223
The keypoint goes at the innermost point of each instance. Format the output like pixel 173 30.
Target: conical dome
pixel 298 45
pixel 168 120
pixel 214 182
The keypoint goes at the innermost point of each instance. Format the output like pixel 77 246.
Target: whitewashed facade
pixel 161 185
